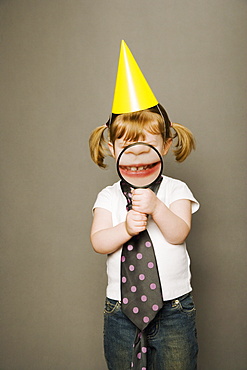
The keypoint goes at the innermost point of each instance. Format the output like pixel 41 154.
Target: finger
pixel 142 223
pixel 137 208
pixel 138 191
pixel 140 228
pixel 137 197
pixel 134 205
pixel 140 218
pixel 136 202
pixel 138 214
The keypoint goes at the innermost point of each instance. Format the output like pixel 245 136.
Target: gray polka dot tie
pixel 140 283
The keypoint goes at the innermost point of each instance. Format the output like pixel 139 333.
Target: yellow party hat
pixel 132 92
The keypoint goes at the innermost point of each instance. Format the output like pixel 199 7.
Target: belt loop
pixel 175 302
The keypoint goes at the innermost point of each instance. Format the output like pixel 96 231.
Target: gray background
pixel 58 67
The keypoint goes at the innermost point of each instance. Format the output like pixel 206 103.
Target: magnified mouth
pixel 141 170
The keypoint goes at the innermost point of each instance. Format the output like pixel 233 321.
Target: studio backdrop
pixel 58 67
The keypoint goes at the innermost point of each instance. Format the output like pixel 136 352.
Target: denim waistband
pixel 173 301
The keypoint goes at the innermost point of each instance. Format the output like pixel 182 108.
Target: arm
pixel 106 238
pixel 174 222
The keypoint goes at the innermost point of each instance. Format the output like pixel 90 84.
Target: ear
pixel 167 146
pixel 111 148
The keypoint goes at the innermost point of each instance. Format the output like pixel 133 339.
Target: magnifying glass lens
pixel 139 164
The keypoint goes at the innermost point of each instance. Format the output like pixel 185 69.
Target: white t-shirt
pixel 173 260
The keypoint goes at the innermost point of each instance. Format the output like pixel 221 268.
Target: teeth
pixel 141 168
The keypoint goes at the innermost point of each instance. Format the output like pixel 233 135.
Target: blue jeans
pixel 172 339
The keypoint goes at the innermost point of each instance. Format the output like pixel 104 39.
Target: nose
pixel 137 149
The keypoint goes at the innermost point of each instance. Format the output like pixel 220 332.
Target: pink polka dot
pixel 148 244
pixel 144 349
pixel 141 276
pixel 144 298
pixel 150 265
pixel 155 307
pixel 139 355
pixel 135 309
pixel 145 319
pixel 139 256
pixel 131 267
pixel 133 289
pixel 123 259
pixel 144 368
pixel 130 247
pixel 153 286
pixel 124 279
pixel 132 364
pixel 125 300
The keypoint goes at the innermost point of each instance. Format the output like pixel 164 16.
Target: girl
pixel 171 336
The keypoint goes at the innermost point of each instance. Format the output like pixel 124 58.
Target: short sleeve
pixel 179 190
pixel 104 199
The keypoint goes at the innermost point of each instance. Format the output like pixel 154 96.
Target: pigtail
pixel 98 146
pixel 185 142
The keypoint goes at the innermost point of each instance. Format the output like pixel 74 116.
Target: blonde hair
pixel 131 126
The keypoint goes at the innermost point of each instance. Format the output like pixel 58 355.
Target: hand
pixel 135 222
pixel 144 201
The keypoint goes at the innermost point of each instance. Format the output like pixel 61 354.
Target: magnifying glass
pixel 140 165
